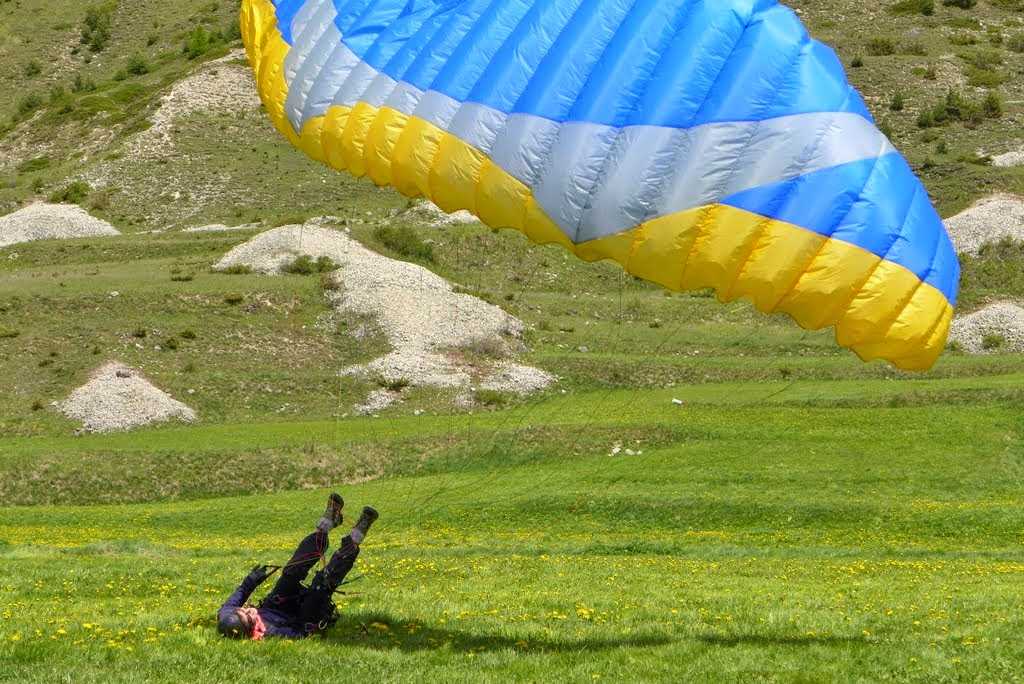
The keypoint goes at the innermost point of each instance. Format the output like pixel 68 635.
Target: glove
pixel 259 574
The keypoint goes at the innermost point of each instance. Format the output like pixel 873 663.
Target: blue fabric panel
pixel 476 52
pixel 515 63
pixel 877 205
pixel 677 63
pixel 285 10
pixel 567 66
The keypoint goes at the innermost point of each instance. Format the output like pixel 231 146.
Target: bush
pixel 304 265
pixel 992 342
pixel 96 26
pixel 857 62
pixel 8 333
pixel 140 333
pixel 170 343
pixel 404 241
pixel 489 397
pixel 881 47
pixel 33 69
pixel 962 4
pixel 188 334
pixel 233 299
pixel 897 103
pixel 75 193
pixel 925 7
pixel 1016 42
pixel 37 405
pixel 394 384
pixel 237 269
pixel 137 65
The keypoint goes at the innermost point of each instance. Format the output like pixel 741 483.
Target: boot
pixel 332 515
pixel 363 524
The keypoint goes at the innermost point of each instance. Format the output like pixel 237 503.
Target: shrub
pixel 489 397
pixel 992 105
pixel 137 65
pixel 75 193
pixel 37 405
pixel 28 104
pixel 329 283
pixel 305 265
pixel 140 333
pixel 857 62
pixel 170 343
pixel 237 269
pixel 962 4
pixel 992 342
pixel 96 26
pixel 33 69
pixel 8 333
pixel 897 103
pixel 233 299
pixel 82 84
pixel 188 334
pixel 394 384
pixel 925 7
pixel 1016 42
pixel 881 46
pixel 405 241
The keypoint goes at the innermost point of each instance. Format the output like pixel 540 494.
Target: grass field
pixel 768 542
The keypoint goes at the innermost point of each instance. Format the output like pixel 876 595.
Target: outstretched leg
pixel 307 554
pixel 316 605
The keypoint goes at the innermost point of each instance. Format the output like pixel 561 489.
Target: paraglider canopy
pixel 696 143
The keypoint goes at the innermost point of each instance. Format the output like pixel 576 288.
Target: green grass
pixel 781 545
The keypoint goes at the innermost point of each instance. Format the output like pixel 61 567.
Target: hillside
pixel 581 476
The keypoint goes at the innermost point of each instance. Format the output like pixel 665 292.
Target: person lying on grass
pixel 293 610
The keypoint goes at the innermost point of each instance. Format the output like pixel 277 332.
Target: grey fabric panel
pixel 478 125
pixel 354 86
pixel 522 148
pixel 405 98
pixel 578 160
pixel 379 90
pixel 305 60
pixel 437 108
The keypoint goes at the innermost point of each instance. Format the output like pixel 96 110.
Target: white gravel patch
pixel 221 228
pixel 429 212
pixel 118 398
pixel 426 322
pixel 988 220
pixel 50 222
pixel 1009 159
pixel 1004 319
pixel 218 87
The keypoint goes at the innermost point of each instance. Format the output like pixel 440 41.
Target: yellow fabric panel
pixel 877 305
pixel 909 340
pixel 819 297
pixel 335 122
pixel 661 247
pixel 455 174
pixel 775 264
pixel 354 139
pixel 311 139
pixel 500 198
pixel 380 148
pixel 414 156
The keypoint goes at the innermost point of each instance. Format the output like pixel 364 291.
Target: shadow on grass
pixel 781 640
pixel 388 632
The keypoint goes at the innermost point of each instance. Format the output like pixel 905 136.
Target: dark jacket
pixel 279 621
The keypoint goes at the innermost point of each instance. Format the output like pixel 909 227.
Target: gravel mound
pixel 219 87
pixel 51 221
pixel 119 398
pixel 221 228
pixel 996 328
pixel 1009 160
pixel 989 220
pixel 429 212
pixel 429 325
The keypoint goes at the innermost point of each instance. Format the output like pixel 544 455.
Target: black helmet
pixel 230 624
